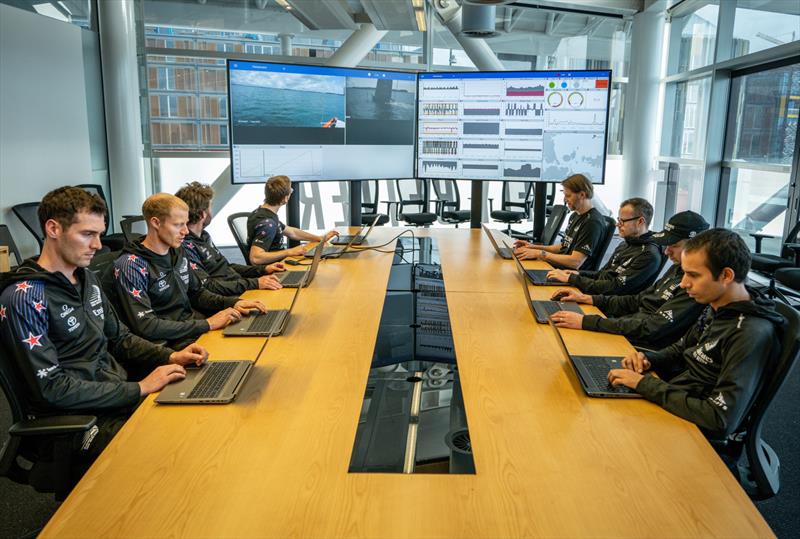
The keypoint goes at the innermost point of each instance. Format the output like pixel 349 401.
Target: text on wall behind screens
pixel 513 125
pixel 320 123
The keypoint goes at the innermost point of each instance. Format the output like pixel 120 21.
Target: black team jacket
pixel 656 317
pixel 721 361
pixel 66 342
pixel 633 266
pixel 213 269
pixel 159 296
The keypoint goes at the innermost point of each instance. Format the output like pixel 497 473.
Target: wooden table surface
pixel 550 462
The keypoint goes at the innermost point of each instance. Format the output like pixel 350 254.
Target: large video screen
pixel 320 123
pixel 513 125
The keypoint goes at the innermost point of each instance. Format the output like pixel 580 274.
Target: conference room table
pixel 549 461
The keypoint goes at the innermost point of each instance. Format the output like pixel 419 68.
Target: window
pixel 685 118
pixel 693 36
pixel 758 25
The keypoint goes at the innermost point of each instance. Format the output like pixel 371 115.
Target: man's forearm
pixel 570 261
pixel 268 257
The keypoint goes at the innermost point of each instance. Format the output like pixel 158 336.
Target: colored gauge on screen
pixel 575 99
pixel 555 99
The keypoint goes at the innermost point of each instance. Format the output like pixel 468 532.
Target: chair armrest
pixel 439 207
pixel 491 205
pixel 389 208
pixel 759 238
pixel 63 424
pixel 795 248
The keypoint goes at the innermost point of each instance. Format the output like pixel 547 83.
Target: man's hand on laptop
pixel 274 268
pixel 567 319
pixel 527 253
pixel 522 243
pixel 566 294
pixel 269 282
pixel 223 318
pixel 560 275
pixel 245 306
pixel 194 353
pixel 299 250
pixel 330 234
pixel 160 377
pixel 636 361
pixel 624 377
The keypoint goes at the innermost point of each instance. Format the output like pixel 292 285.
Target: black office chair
pixel 56 475
pixel 448 203
pixel 790 279
pixel 133 227
pixel 370 192
pixel 28 214
pixel 768 264
pixel 555 220
pixel 8 240
pixel 605 241
pixel 237 222
pixel 515 206
pixel 415 194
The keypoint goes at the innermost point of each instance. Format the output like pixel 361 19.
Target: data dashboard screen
pixel 320 123
pixel 512 125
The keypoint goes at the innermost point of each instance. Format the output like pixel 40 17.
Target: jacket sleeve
pixel 218 285
pixel 203 299
pixel 638 274
pixel 130 349
pixel 131 283
pixel 721 412
pixel 617 305
pixel 24 332
pixel 640 326
pixel 249 271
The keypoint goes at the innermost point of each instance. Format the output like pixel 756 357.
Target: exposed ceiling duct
pixel 478 21
pixel 321 14
pixel 487 2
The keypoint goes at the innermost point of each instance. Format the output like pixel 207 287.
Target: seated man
pixel 63 338
pixel 635 262
pixel 585 228
pixel 158 292
pixel 213 269
pixel 723 357
pixel 655 317
pixel 265 231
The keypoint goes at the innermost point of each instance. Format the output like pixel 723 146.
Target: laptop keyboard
pixel 293 278
pixel 598 371
pixel 264 322
pixel 214 379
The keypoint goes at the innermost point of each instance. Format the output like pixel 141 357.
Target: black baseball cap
pixel 681 226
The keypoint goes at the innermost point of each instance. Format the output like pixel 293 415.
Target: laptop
pixel 293 279
pixel 357 239
pixel 331 250
pixel 543 309
pixel 272 322
pixel 504 252
pixel 592 372
pixel 536 276
pixel 216 382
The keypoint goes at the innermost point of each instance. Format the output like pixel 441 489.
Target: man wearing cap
pixel 655 317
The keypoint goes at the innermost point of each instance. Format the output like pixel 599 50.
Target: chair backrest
pixel 237 222
pixel 517 196
pixel 412 193
pixel 605 241
pixel 13 387
pixel 764 465
pixel 369 196
pixel 447 192
pixel 28 214
pixel 554 223
pixel 133 227
pixel 8 240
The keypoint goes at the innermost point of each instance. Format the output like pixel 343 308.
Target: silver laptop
pixel 292 279
pixel 272 322
pixel 504 252
pixel 536 276
pixel 357 239
pixel 543 309
pixel 334 251
pixel 592 372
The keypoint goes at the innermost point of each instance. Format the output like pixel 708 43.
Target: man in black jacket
pixel 158 292
pixel 655 317
pixel 633 265
pixel 212 268
pixel 62 336
pixel 721 360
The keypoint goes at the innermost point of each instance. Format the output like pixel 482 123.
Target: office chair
pixel 605 241
pixel 127 225
pixel 515 206
pixel 8 240
pixel 28 214
pixel 57 475
pixel 414 193
pixel 370 191
pixel 237 222
pixel 555 220
pixel 448 203
pixel 790 279
pixel 767 264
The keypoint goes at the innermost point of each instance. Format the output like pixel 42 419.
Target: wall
pixel 52 130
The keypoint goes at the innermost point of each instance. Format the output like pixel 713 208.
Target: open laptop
pixel 504 252
pixel 333 250
pixel 216 382
pixel 592 372
pixel 536 276
pixel 543 309
pixel 293 279
pixel 272 322
pixel 358 239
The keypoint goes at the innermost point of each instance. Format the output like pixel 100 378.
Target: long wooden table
pixel 550 462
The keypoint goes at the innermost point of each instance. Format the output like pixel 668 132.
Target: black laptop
pixel 592 372
pixel 358 239
pixel 338 250
pixel 504 252
pixel 536 276
pixel 292 279
pixel 543 309
pixel 272 322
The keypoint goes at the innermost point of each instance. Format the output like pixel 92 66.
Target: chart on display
pixel 320 123
pixel 512 125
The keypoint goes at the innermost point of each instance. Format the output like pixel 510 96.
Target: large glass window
pixel 693 36
pixel 686 118
pixel 760 25
pixel 77 12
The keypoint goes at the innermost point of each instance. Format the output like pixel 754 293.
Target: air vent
pixel 459 441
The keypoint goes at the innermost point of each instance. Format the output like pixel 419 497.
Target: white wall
pixel 51 124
